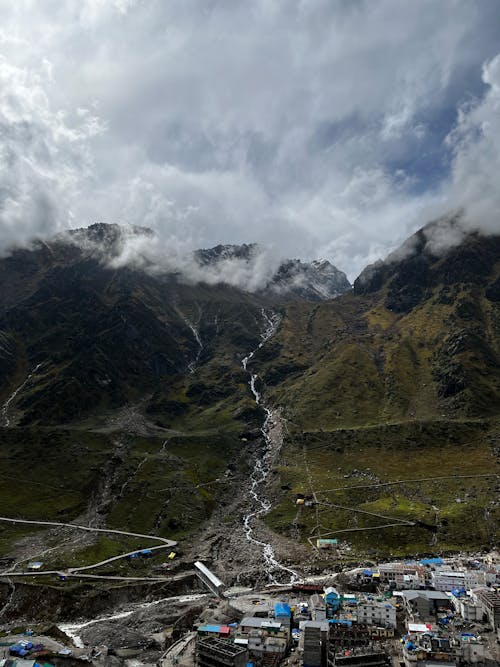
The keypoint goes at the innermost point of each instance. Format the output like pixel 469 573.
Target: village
pixel 433 612
pixel 428 613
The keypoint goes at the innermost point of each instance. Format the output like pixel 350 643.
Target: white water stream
pixel 273 441
pixel 196 333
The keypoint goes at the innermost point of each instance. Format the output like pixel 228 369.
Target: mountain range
pixel 103 360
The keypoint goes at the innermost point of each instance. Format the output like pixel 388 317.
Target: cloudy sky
pixel 321 128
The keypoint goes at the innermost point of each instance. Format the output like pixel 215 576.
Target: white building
pixel 492 576
pixel 402 575
pixel 468 609
pixel 371 612
pixel 449 580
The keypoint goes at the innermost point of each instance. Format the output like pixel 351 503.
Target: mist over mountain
pixel 250 267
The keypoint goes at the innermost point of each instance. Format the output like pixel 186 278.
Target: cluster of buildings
pixel 433 573
pixel 341 626
pixel 256 639
pixel 417 614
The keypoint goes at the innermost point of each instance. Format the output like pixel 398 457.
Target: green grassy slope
pixel 395 388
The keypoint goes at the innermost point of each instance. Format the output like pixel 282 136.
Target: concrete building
pixel 332 599
pixel 423 605
pixel 327 544
pixel 315 643
pixel 265 639
pixel 470 610
pixel 317 607
pixel 283 613
pixel 346 635
pixel 492 576
pixel 426 650
pixel 449 580
pixel 401 575
pixel 215 652
pixel 372 612
pixel 472 651
pixel 262 647
pixel 268 626
pixel 489 600
pixel 360 657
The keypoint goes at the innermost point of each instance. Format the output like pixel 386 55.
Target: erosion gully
pixel 273 440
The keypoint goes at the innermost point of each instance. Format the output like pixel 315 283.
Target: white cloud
pixel 293 124
pixel 476 162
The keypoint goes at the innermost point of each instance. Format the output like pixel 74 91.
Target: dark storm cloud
pixel 318 128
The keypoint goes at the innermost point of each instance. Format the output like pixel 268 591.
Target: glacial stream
pixel 271 431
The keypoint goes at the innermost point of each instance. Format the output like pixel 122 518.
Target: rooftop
pixel 489 595
pixel 220 646
pixel 430 595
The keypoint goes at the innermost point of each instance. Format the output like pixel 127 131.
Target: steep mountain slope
pixel 418 338
pixel 101 335
pixel 138 374
pixel 398 380
pixel 131 376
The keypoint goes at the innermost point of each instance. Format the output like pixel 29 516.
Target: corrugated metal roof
pixel 209 628
pixel 210 575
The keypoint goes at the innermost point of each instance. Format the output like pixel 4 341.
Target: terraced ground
pixel 359 470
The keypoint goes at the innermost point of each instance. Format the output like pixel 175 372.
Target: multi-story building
pixel 272 628
pixel 492 575
pixel 424 649
pixel 264 638
pixel 360 657
pixel 317 607
pixel 352 645
pixel 215 652
pixel 402 575
pixel 489 601
pixel 449 580
pixel 372 612
pixel 470 610
pixel 423 605
pixel 315 638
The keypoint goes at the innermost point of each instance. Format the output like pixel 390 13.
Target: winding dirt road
pixel 76 571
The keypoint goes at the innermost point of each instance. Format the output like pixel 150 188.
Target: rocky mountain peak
pixel 441 254
pixel 219 253
pixel 293 279
pixel 103 238
pixel 312 281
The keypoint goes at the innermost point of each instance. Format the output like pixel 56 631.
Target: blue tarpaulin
pixel 458 592
pixel 340 621
pixel 432 561
pixel 282 609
